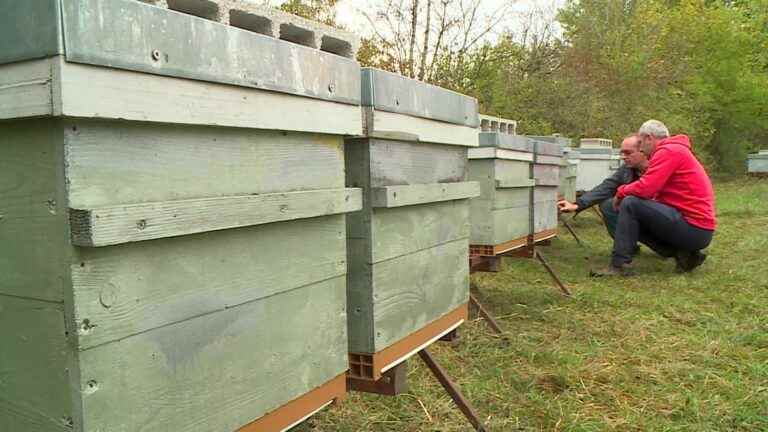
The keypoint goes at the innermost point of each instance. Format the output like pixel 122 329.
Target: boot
pixel 625 270
pixel 688 261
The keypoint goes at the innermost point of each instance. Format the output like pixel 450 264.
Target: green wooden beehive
pixel 408 262
pixel 501 215
pixel 172 221
pixel 757 163
pixel 546 172
pixel 569 172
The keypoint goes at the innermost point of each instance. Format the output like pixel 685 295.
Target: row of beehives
pixel 187 239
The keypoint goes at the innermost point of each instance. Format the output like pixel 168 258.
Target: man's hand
pixel 616 203
pixel 566 206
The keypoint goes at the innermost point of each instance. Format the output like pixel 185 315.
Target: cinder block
pixel 496 124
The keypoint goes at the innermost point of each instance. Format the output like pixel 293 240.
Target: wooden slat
pixel 508 184
pixel 123 224
pixel 25 90
pixel 393 126
pixel 497 153
pixel 398 196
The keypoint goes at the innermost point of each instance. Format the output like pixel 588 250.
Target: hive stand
pixel 162 177
pixel 408 258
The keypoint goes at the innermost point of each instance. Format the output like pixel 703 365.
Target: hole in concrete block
pixel 200 8
pixel 503 128
pixel 336 46
pixel 494 126
pixel 485 125
pixel 295 34
pixel 251 22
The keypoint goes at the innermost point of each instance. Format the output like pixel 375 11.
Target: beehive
pixel 569 173
pixel 595 166
pixel 757 163
pixel 408 260
pixel 546 172
pixel 501 215
pixel 172 229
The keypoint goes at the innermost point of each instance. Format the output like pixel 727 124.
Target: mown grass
pixel 659 352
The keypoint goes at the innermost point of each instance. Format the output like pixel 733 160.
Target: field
pixel 658 352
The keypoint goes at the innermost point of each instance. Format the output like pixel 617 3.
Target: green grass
pixel 659 352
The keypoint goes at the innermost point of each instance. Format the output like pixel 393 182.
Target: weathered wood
pixel 107 226
pixel 29 30
pixel 407 195
pixel 94 92
pixel 129 289
pixel 392 163
pixel 34 385
pixel 509 184
pixel 241 357
pixel 26 89
pixel 403 230
pixel 111 164
pixel 34 244
pixel 412 290
pixel 387 125
pixel 497 153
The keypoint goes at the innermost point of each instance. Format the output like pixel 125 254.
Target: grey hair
pixel 654 128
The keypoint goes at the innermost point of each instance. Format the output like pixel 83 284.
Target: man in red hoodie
pixel 671 208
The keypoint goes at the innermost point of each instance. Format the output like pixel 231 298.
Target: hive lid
pixel 316 61
pixel 762 154
pixel 563 141
pixel 386 91
pixel 506 141
pixel 545 148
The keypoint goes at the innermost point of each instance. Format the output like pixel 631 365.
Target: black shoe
pixel 612 271
pixel 689 261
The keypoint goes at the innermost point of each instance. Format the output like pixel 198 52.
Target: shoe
pixel 624 271
pixel 689 261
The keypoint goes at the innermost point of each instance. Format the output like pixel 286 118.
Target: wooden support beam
pixel 131 223
pixel 399 196
pixel 507 184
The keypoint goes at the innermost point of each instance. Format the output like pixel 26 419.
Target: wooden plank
pixel 398 196
pixel 510 184
pixel 545 208
pixel 413 290
pixel 129 289
pixel 546 175
pixel 403 230
pixel 34 244
pixel 107 226
pixel 118 163
pixel 386 125
pixel 25 89
pixel 220 371
pixel 95 92
pixel 400 163
pixel 34 384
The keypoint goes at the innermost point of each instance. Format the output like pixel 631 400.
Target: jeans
pixel 610 216
pixel 658 226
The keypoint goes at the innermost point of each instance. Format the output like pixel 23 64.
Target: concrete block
pixel 596 143
pixel 497 124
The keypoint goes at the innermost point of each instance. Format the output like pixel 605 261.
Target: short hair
pixel 633 135
pixel 654 128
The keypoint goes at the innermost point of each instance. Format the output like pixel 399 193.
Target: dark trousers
pixel 658 226
pixel 610 216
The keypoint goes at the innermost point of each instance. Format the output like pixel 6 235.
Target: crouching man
pixel 670 208
pixel 635 163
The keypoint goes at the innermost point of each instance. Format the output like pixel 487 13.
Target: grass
pixel 659 352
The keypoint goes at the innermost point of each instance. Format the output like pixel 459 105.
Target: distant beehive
pixel 408 259
pixel 172 229
pixel 615 161
pixel 501 215
pixel 595 166
pixel 757 163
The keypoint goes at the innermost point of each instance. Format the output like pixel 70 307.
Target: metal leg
pixel 570 230
pixel 552 273
pixel 452 390
pixel 489 319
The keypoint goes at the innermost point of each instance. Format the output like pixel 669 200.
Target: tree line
pixel 598 68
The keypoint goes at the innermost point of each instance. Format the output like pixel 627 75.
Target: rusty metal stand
pixel 487 316
pixel 558 282
pixel 572 231
pixel 451 388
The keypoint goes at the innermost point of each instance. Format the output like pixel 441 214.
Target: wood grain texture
pixel 408 195
pixel 545 208
pixel 413 290
pixel 389 125
pixel 140 222
pixel 34 385
pixel 34 243
pixel 393 163
pixel 497 153
pixel 117 163
pixel 26 89
pixel 220 371
pixel 546 175
pixel 94 92
pixel 125 290
pixel 400 231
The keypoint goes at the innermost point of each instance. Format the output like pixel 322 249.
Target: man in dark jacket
pixel 635 163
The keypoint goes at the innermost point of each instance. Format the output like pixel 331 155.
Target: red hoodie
pixel 676 178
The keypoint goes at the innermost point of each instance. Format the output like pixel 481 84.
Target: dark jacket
pixel 607 189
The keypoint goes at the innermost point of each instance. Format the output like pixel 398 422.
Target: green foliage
pixel 317 10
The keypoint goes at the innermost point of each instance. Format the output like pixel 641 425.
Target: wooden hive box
pixel 595 166
pixel 501 215
pixel 757 163
pixel 172 221
pixel 408 280
pixel 546 172
pixel 569 173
